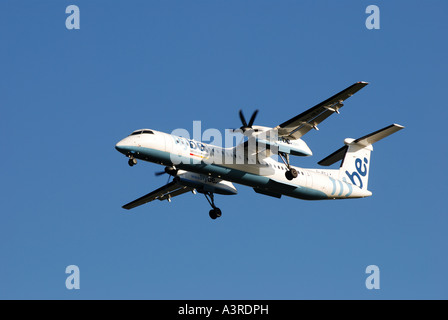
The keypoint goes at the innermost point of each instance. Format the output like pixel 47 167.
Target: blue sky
pixel 67 96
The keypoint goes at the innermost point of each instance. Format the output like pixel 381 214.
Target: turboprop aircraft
pixel 199 167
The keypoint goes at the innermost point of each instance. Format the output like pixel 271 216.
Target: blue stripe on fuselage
pixel 233 175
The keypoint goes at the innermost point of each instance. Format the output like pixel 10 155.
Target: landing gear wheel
pixel 212 214
pixel 132 161
pixel 291 174
pixel 294 172
pixel 215 213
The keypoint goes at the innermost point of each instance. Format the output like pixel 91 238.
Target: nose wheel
pixel 215 212
pixel 132 161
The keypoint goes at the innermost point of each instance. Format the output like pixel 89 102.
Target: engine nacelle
pixel 263 135
pixel 293 147
pixel 203 183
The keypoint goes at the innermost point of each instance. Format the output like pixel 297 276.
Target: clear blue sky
pixel 67 97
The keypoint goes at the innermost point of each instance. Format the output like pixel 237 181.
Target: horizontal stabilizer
pixel 378 135
pixel 334 157
pixel 365 141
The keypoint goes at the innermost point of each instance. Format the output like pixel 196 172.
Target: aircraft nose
pixel 120 146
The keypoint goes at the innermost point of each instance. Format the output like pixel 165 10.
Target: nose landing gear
pixel 132 161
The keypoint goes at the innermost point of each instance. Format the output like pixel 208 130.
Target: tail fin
pixel 355 156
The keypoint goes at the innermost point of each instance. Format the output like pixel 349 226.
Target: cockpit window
pixel 141 131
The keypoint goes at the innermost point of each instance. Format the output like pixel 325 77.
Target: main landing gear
pixel 291 173
pixel 215 212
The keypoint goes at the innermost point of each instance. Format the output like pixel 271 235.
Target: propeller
pixel 247 126
pixel 171 171
pixel 168 170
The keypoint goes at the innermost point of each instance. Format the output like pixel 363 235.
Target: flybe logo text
pixel 361 171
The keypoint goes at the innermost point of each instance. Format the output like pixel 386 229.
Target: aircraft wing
pixel 299 125
pixel 166 192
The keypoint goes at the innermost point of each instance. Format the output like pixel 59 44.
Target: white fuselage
pixel 264 174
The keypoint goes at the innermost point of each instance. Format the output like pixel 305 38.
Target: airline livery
pixel 199 167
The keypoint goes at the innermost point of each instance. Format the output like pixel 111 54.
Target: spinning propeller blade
pixel 168 170
pixel 246 126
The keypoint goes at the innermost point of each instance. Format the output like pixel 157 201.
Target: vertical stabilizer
pixel 355 156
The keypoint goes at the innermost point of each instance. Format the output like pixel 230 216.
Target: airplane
pixel 198 167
